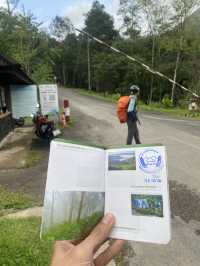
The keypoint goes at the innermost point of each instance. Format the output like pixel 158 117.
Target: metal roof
pixel 11 72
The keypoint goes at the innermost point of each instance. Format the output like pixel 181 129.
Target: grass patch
pixel 32 158
pixel 76 230
pixel 28 121
pixel 20 243
pixel 72 122
pixel 176 111
pixel 100 95
pixel 12 201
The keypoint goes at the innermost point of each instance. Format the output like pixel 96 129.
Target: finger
pixel 105 257
pixel 60 249
pixel 75 242
pixel 98 246
pixel 100 233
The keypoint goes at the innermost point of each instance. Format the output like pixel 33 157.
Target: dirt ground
pixel 14 174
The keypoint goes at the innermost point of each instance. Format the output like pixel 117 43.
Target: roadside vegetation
pixel 32 158
pixel 168 41
pixel 20 243
pixel 76 230
pixel 14 201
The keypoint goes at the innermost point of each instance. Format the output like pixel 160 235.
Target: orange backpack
pixel 122 107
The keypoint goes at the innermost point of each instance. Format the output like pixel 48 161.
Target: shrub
pixel 166 101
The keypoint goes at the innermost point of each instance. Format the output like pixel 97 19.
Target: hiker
pixel 66 253
pixel 132 116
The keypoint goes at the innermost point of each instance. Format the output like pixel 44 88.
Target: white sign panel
pixel 24 100
pixel 49 99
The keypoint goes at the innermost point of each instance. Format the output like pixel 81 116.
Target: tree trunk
pixel 175 76
pixel 71 207
pixel 8 7
pixel 64 74
pixel 80 206
pixel 158 67
pixel 152 65
pixel 176 69
pixel 89 68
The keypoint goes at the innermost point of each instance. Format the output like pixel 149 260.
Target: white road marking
pixel 184 143
pixel 173 120
pixel 165 142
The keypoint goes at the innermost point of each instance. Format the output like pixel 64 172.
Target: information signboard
pixel 49 99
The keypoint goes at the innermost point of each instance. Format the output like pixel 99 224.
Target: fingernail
pixel 108 219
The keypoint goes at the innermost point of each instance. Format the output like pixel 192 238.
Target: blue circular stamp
pixel 150 161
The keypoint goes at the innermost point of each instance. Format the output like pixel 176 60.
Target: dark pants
pixel 133 132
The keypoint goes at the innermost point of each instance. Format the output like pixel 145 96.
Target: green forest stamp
pixel 147 205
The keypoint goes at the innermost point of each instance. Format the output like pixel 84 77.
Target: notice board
pixel 49 98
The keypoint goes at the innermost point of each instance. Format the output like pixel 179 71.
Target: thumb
pixel 100 233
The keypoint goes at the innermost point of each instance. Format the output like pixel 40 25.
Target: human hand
pixel 68 254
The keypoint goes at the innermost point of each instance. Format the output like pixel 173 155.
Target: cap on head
pixel 134 89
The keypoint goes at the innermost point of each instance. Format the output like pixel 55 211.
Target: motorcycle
pixel 44 128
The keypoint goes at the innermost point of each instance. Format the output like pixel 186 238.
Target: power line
pixel 146 67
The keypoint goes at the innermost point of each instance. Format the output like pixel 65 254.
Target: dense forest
pixel 163 34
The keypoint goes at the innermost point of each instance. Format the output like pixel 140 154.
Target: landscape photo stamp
pixel 118 161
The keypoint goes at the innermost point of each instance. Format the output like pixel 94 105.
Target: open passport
pixel 129 182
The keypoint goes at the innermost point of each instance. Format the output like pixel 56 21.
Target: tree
pixel 155 12
pixel 105 72
pixel 11 6
pixel 64 53
pixel 182 10
pixel 129 10
pixel 99 23
pixel 61 27
pixel 21 38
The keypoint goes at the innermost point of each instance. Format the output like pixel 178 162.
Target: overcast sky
pixel 45 10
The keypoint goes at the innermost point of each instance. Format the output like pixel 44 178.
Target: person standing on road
pixel 132 119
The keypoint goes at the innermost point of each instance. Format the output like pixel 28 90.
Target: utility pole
pixel 89 68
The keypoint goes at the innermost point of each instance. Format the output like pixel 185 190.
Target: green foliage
pixel 60 27
pixel 166 101
pixel 14 200
pixel 32 158
pixel 20 243
pixel 76 230
pixel 105 72
pixel 43 74
pixel 99 23
pixel 129 10
pixel 22 39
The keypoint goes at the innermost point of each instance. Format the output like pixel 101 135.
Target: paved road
pixel 97 123
pixel 181 137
